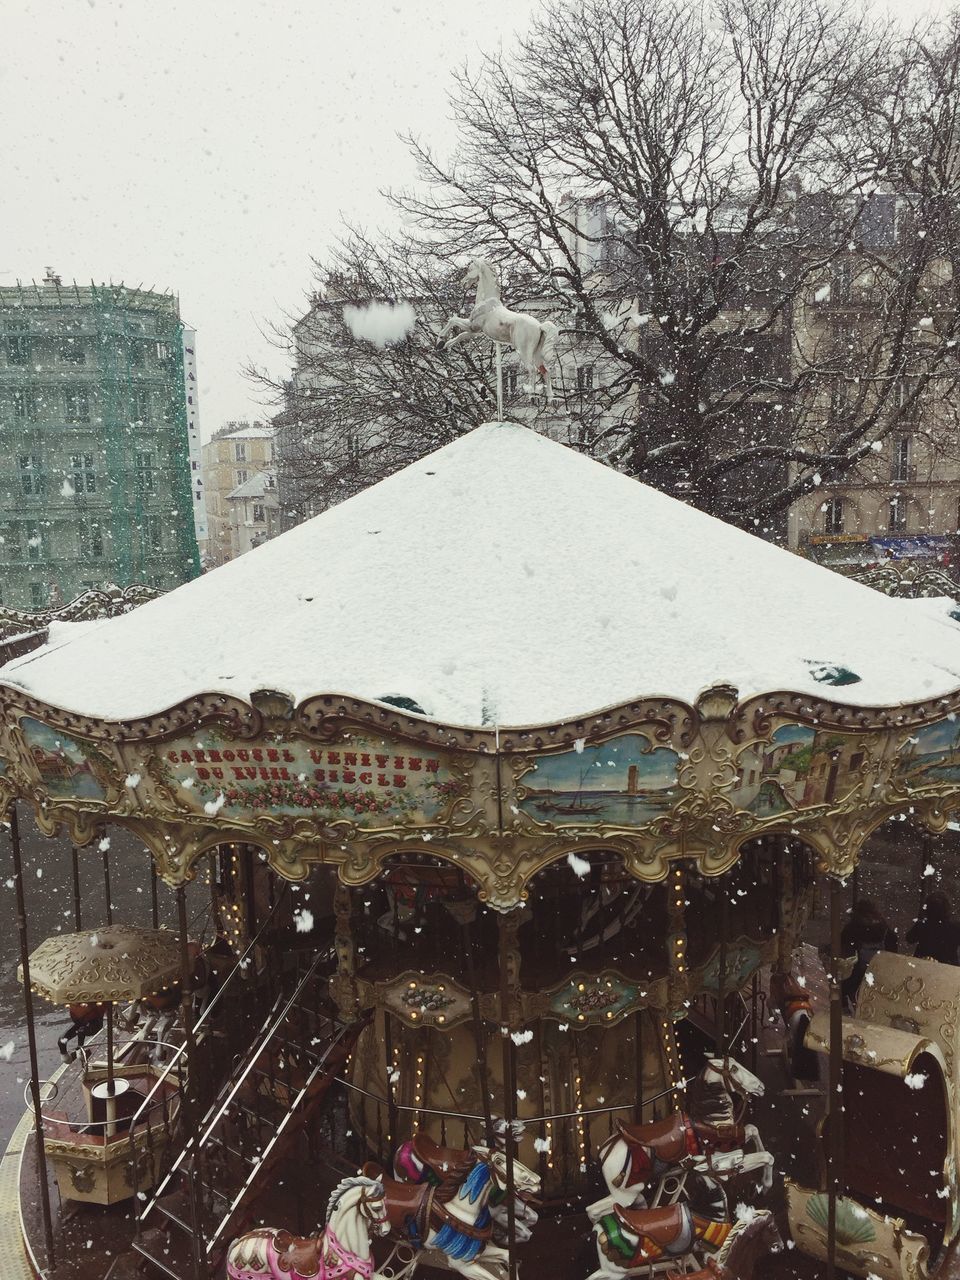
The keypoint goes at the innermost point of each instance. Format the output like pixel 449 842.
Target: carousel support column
pixel 14 822
pixel 835 1094
pixel 393 1134
pixel 77 912
pixel 154 895
pixel 638 1066
pixel 191 1116
pixel 249 890
pixel 509 977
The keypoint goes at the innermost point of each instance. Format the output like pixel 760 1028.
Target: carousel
pixel 505 791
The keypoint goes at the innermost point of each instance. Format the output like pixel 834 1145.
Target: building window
pixel 144 472
pixel 76 405
pixel 833 516
pixel 585 377
pixel 71 351
pixel 31 473
pixel 510 383
pixel 163 352
pixel 242 477
pixel 10 548
pixel 258 516
pixel 84 473
pixel 91 539
pixel 25 403
pixel 900 470
pixel 136 354
pixel 140 405
pixel 271 481
pixel 154 532
pixel 34 540
pixel 18 349
pixel 239 451
pixel 39 594
pixel 898 514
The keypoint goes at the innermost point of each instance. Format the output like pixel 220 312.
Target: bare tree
pixel 698 189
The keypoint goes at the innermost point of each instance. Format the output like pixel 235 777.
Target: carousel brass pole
pixel 479 1036
pixel 722 1047
pixel 835 1095
pixel 77 914
pixel 638 1065
pixel 509 1087
pixel 106 884
pixel 14 822
pixel 188 1094
pixel 154 896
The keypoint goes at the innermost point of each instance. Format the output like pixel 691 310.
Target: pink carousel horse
pixel 341 1251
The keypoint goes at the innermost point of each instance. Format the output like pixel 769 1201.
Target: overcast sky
pixel 211 146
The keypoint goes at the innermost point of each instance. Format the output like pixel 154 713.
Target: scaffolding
pixel 94 469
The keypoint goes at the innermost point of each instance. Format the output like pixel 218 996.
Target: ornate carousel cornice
pixel 361 784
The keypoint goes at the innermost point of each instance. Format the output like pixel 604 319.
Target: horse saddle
pixel 710 1272
pixel 298 1255
pixel 662 1227
pixel 447 1165
pixel 656 1147
pixel 408 1204
pixel 719 1137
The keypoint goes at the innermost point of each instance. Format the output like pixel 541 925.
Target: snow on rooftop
pixel 255 486
pixel 247 432
pixel 508 579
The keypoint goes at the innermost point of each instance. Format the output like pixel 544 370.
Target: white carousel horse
pixel 461 1227
pixel 420 1160
pixel 341 1251
pixel 533 340
pixel 710 1138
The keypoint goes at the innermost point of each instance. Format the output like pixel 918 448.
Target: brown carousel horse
pixel 709 1138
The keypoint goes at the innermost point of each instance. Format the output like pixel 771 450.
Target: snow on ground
pixel 504 579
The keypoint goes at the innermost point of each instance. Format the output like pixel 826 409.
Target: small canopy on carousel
pixel 504 579
pixel 111 964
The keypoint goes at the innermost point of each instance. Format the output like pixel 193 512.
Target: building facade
pixel 239 455
pixel 94 469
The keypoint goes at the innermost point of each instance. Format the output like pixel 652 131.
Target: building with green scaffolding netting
pixel 95 463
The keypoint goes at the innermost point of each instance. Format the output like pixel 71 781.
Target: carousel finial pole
pixel 499 348
pixel 14 824
pixel 835 1095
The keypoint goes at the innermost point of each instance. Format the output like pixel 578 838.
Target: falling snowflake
pixel 214 806
pixel 579 866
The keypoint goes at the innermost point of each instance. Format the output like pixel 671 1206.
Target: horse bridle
pixel 726 1077
pixel 365 1200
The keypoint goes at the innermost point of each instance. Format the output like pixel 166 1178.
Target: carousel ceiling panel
pixel 508 580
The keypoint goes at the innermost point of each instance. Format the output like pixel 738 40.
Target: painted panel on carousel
pixel 366 781
pixel 799 769
pixel 68 766
pixel 624 782
pixel 742 961
pixel 930 757
pixel 431 999
pixel 588 998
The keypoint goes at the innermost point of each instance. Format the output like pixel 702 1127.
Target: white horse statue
pixel 341 1251
pixel 533 340
pixel 709 1138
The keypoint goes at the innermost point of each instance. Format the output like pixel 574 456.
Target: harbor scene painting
pixel 624 782
pixel 931 756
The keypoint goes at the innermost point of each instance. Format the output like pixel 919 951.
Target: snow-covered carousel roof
pixel 504 579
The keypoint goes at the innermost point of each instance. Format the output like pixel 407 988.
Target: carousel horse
pixel 533 340
pixel 420 1160
pixel 632 1241
pixel 709 1138
pixel 85 1020
pixel 742 1252
pixel 796 1009
pixel 341 1251
pixel 460 1227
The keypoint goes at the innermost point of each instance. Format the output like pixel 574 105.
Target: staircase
pixel 249 1128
